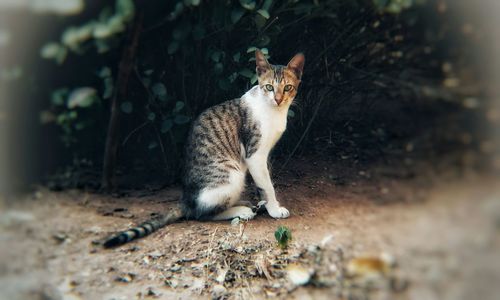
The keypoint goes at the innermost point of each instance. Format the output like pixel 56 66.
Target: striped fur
pixel 225 142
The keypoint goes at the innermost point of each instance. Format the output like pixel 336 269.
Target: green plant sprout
pixel 283 236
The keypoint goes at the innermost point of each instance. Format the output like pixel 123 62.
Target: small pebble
pixel 298 275
pixel 218 290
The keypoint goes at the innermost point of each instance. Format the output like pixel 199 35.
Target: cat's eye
pixel 269 87
pixel 288 87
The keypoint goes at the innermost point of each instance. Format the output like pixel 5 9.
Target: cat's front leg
pixel 257 166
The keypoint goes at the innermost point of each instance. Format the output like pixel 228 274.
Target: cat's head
pixel 279 83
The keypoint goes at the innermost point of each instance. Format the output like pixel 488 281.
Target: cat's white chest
pixel 272 120
pixel 272 127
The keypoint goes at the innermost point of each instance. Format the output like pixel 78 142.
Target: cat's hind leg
pixel 221 200
pixel 242 212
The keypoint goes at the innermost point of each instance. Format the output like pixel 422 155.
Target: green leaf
pixel 264 13
pixel 251 49
pixel 173 47
pixel 260 21
pixel 126 9
pixel 283 236
pixel 108 88
pixel 151 116
pixel 264 51
pixel 54 51
pixel 159 90
pixel 80 125
pixel 178 106
pixel 70 37
pixel 267 4
pixel 116 24
pixel 181 119
pixel 380 4
pixel 61 119
pixel 59 96
pixel 166 125
pixel 394 8
pixel 101 31
pixel 233 77
pixel 248 4
pixel 82 97
pixel 148 72
pixel 216 55
pixel 291 113
pixel 406 3
pixel 50 50
pixel 218 68
pixel 179 8
pixel 127 107
pixel 152 145
pixel 254 79
pixel 264 40
pixel 104 72
pixel 102 46
pixel 72 115
pixel 236 57
pixel 236 15
pixel 246 73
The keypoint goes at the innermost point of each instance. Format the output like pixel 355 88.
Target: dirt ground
pixel 441 227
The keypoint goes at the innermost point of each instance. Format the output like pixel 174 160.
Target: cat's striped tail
pixel 143 229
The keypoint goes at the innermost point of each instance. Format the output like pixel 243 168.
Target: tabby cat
pixel 225 142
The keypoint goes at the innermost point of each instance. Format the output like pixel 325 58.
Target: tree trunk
pixel 108 181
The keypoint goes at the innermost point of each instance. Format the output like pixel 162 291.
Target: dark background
pixel 390 81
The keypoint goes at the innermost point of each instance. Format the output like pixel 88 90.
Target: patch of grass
pixel 283 236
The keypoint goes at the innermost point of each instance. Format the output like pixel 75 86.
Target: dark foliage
pixel 374 73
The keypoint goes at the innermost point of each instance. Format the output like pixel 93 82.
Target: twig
pixel 401 82
pixel 303 134
pixel 268 25
pixel 134 131
pixel 183 82
pixel 161 146
pixel 209 253
pixel 335 41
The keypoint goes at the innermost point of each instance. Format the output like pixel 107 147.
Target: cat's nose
pixel 278 98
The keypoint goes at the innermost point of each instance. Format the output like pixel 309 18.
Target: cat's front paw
pixel 278 212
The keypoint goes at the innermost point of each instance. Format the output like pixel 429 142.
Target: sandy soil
pixel 442 228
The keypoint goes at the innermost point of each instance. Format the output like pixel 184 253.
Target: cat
pixel 225 142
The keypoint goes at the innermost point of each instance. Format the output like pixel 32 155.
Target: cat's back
pixel 227 113
pixel 214 134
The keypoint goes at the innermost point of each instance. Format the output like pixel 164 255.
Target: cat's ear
pixel 261 62
pixel 296 64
